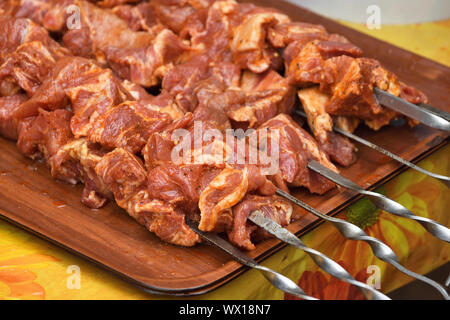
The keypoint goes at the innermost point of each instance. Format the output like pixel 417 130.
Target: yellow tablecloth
pixel 31 268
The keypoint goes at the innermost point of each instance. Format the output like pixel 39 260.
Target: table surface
pixel 31 268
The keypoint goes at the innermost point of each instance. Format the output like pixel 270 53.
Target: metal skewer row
pixel 276 279
pixel 379 249
pixel 381 201
pixel 425 114
pixel 325 263
pixel 433 118
pixel 369 144
pixel 384 203
pixel 349 230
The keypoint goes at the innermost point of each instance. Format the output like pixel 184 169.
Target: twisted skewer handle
pixel 325 263
pixel 383 202
pixel 379 249
pixel 281 282
pixel 276 279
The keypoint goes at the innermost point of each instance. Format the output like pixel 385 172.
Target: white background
pixel 392 11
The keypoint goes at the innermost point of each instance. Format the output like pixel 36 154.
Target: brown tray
pixel 30 198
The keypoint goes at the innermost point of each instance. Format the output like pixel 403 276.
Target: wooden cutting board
pixel 30 198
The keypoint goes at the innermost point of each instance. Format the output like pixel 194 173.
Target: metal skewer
pixel 369 144
pixel 379 249
pixel 324 262
pixel 383 202
pixel 436 111
pixel 443 178
pixel 277 280
pixel 423 115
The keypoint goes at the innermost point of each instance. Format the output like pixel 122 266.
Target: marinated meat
pixel 337 147
pixel 226 190
pixel 48 137
pixel 250 47
pixel 9 125
pixel 29 66
pixel 113 93
pixel 125 176
pixel 139 17
pixel 185 18
pixel 27 55
pixel 348 79
pixel 243 233
pixel 266 95
pixel 75 162
pixel 127 125
pixel 113 3
pixel 51 14
pixel 296 149
pixel 90 90
pixel 42 136
pixel 311 65
pixel 141 57
pixel 283 34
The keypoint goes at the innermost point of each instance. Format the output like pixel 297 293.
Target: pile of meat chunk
pixel 97 90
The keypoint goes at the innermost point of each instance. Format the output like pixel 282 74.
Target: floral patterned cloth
pixel 31 268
